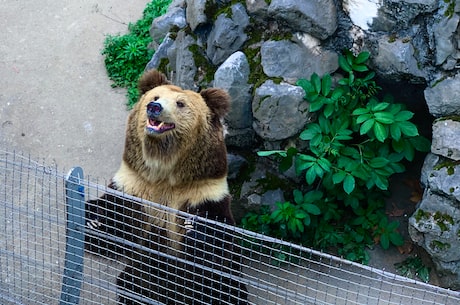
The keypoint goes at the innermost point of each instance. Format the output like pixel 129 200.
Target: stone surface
pixel 227 35
pixel 184 62
pixel 446 138
pixel 233 76
pixel 292 61
pixel 435 227
pixel 195 13
pixel 443 99
pixel 444 32
pixel 174 17
pixel 316 17
pixel 279 110
pixel 396 59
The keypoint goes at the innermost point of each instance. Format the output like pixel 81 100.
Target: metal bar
pixel 75 238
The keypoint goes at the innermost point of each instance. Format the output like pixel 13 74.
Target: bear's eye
pixel 156 98
pixel 180 104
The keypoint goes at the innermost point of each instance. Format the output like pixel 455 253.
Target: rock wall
pixel 258 49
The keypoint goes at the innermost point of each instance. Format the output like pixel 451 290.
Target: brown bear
pixel 174 155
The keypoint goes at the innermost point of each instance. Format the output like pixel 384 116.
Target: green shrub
pixel 355 144
pixel 127 55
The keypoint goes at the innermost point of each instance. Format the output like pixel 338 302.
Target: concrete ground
pixel 56 102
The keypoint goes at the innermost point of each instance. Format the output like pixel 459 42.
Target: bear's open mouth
pixel 157 126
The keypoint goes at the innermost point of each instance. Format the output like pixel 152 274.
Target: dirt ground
pixel 56 102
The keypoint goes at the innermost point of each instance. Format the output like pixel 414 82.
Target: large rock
pixel 446 138
pixel 233 76
pixel 396 59
pixel 196 13
pixel 227 35
pixel 443 98
pixel 444 32
pixel 316 17
pixel 279 111
pixel 174 17
pixel 294 60
pixel 183 62
pixel 435 225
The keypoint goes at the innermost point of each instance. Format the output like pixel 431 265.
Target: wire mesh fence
pixel 170 257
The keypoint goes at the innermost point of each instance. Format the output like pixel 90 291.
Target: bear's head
pixel 176 126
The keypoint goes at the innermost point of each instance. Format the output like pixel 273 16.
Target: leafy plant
pixel 413 267
pixel 127 55
pixel 356 143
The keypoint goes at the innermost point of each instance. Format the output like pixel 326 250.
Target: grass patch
pixel 127 55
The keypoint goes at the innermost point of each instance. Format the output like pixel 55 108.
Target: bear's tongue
pixel 160 126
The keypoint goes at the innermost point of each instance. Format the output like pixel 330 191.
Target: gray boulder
pixel 195 13
pixel 443 99
pixel 227 35
pixel 396 59
pixel 316 17
pixel 182 61
pixel 444 32
pixel 233 76
pixel 435 226
pixel 174 17
pixel 279 111
pixel 161 53
pixel 293 60
pixel 446 139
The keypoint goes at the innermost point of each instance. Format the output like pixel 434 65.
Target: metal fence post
pixel 75 238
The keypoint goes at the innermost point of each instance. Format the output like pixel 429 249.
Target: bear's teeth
pixel 161 124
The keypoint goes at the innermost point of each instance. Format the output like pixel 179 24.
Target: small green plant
pixel 127 55
pixel 356 143
pixel 413 267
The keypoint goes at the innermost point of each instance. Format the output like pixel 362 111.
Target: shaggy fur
pixel 174 155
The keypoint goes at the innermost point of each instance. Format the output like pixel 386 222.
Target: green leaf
pixel 364 117
pixel 316 82
pixel 404 115
pixel 362 57
pixel 310 175
pixel 408 128
pixel 329 110
pixel 384 117
pixel 378 162
pixel 326 84
pixel 311 131
pixel 379 106
pixel 312 196
pixel 305 85
pixel 380 132
pixel 360 111
pixel 349 184
pixel 384 241
pixel 396 239
pixel 360 68
pixel 337 93
pixel 409 151
pixel 298 196
pixel 366 126
pixel 281 153
pixel 344 64
pixel 421 143
pixel 315 106
pixel 395 132
pixel 325 164
pixel 311 208
pixel 338 177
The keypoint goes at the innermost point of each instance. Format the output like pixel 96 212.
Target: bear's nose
pixel 154 109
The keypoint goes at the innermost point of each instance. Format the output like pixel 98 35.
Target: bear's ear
pixel 151 79
pixel 217 100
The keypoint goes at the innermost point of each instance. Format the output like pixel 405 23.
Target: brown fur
pixel 184 168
